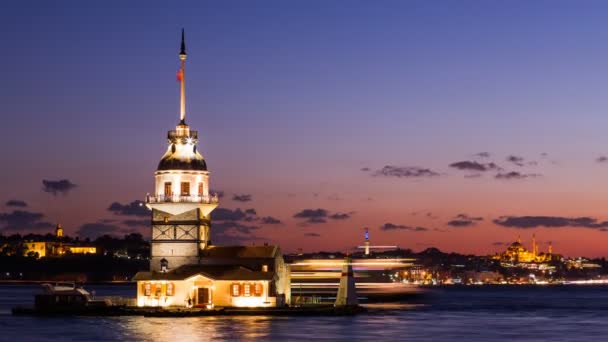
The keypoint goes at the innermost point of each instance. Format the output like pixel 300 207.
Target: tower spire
pixel 181 76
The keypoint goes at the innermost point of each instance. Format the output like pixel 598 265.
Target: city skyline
pixel 458 128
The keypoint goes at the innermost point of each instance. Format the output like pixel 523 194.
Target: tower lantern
pixel 181 204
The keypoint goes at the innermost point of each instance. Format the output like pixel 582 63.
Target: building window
pixel 147 289
pixel 247 290
pixel 185 189
pixel 158 290
pixel 200 189
pixel 258 289
pixel 170 289
pixel 264 268
pixel 168 192
pixel 235 290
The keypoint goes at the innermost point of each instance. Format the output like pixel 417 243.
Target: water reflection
pixel 195 328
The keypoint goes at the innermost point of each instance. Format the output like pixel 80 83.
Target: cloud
pixel 269 220
pixel 340 216
pixel 15 203
pixel 224 214
pixel 365 169
pixel 404 172
pixel 528 222
pixel 242 198
pixel 23 220
pixel 93 230
pixel 602 159
pixel 232 232
pixel 498 243
pixel 62 186
pixel 312 215
pixel 135 208
pixel 516 175
pixel 519 161
pixel 474 166
pixel 391 226
pixel 218 193
pixel 235 227
pixel 137 223
pixel 312 235
pixel 482 154
pixel 463 220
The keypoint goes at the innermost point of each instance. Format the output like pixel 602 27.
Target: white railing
pixel 212 199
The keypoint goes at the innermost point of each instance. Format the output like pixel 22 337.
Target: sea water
pixel 455 313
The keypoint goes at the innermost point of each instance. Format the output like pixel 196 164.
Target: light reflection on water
pixel 492 314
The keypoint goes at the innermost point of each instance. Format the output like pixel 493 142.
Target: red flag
pixel 180 75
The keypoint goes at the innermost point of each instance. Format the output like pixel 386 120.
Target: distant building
pixel 185 268
pixel 517 253
pixel 57 247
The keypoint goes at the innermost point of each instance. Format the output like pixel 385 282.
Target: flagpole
pixel 182 78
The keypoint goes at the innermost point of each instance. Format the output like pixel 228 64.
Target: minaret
pixel 550 248
pixel 534 248
pixel 366 241
pixel 58 231
pixel 181 204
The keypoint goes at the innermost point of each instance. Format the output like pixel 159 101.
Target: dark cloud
pixel 602 159
pixel 391 226
pixel 340 216
pixel 517 160
pixel 473 175
pixel 62 186
pixel 224 214
pixel 135 208
pixel 137 223
pixel 15 203
pixel 242 198
pixel 235 227
pixel 269 220
pixel 93 230
pixel 482 154
pixel 463 220
pixel 23 220
pixel 365 169
pixel 515 175
pixel 404 172
pixel 528 222
pixel 218 193
pixel 474 166
pixel 312 235
pixel 313 215
pixel 498 243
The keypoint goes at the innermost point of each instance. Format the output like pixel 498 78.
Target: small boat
pixel 63 298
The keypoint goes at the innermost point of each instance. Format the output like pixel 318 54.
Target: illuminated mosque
pixel 517 253
pixel 186 269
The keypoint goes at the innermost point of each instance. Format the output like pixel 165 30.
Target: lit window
pixel 185 189
pixel 147 289
pixel 247 290
pixel 258 288
pixel 168 191
pixel 158 290
pixel 200 189
pixel 170 289
pixel 235 290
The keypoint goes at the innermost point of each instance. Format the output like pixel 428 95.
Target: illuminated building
pixel 366 241
pixel 517 253
pixel 185 268
pixel 56 248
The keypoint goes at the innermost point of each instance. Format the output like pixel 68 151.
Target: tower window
pixel 247 290
pixel 235 290
pixel 185 189
pixel 200 189
pixel 168 192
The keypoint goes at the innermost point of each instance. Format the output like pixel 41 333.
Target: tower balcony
pixel 213 199
pixel 182 133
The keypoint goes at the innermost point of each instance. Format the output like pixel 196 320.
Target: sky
pixel 456 125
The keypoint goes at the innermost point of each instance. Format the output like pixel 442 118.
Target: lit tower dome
pixel 181 204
